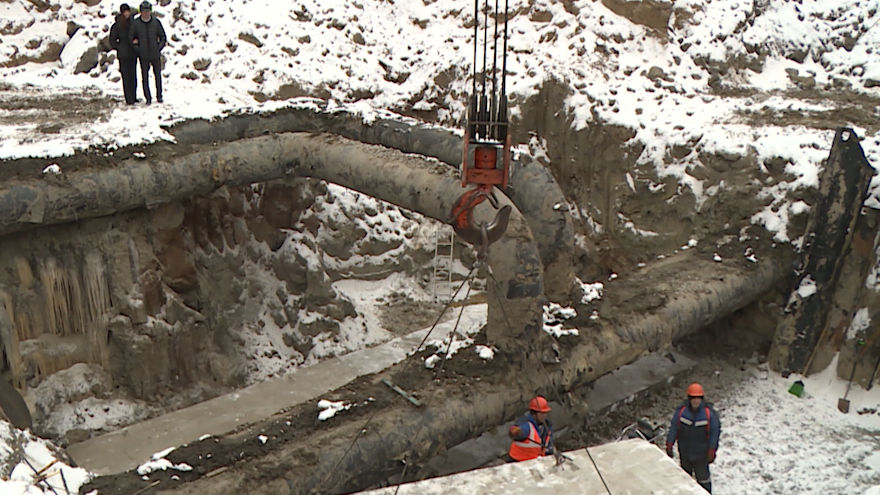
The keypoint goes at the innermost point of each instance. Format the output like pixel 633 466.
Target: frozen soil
pixel 48 111
pixel 401 314
pixel 30 168
pixel 844 108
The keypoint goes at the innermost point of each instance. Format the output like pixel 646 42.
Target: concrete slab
pixel 631 467
pixel 376 359
pixel 125 449
pixel 630 381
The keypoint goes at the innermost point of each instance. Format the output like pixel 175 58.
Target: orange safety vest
pixel 530 448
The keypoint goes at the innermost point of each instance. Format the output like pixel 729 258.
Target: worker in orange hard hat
pixel 532 434
pixel 696 426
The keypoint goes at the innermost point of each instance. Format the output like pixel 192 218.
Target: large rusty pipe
pixel 409 181
pixel 532 188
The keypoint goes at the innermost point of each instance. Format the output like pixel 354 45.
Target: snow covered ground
pixel 698 85
pixel 774 442
pixel 23 456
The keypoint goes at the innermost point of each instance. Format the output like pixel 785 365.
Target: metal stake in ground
pixel 843 404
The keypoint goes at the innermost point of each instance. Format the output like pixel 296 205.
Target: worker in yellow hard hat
pixel 532 434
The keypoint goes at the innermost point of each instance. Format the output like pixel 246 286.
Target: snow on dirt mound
pixel 749 86
pixel 30 465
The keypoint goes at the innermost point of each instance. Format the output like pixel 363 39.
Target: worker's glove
pixel 516 433
pixel 711 456
pixel 669 449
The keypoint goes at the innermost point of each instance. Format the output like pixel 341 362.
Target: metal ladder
pixel 443 263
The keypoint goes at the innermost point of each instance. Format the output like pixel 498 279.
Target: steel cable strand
pixel 405 367
pixel 445 357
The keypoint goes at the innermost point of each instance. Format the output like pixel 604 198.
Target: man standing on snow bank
pixel 697 428
pixel 148 38
pixel 125 53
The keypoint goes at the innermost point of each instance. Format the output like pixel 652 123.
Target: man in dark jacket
pixel 148 38
pixel 697 428
pixel 125 53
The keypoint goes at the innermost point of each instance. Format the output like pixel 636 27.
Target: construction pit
pixel 174 271
pixel 240 298
pixel 216 253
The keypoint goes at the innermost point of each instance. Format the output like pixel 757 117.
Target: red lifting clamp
pixel 486 134
pixel 479 234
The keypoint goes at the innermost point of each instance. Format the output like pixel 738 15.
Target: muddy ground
pixel 721 352
pixel 465 374
pixel 401 315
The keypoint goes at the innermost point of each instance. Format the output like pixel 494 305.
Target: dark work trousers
pixel 128 70
pixel 156 64
pixel 699 469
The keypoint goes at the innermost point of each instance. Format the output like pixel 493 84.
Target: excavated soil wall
pixel 591 166
pixel 161 298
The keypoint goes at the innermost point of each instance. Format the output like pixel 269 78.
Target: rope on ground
pixel 64 482
pixel 549 379
pixel 37 474
pixel 479 264
pixel 363 429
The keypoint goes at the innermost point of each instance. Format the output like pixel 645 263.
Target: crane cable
pixel 442 366
pixel 549 378
pixel 363 429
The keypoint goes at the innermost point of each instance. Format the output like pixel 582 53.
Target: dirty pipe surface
pixel 699 292
pixel 533 189
pixel 409 181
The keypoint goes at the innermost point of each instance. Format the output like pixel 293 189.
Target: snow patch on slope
pixel 458 333
pixel 18 448
pixel 807 446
